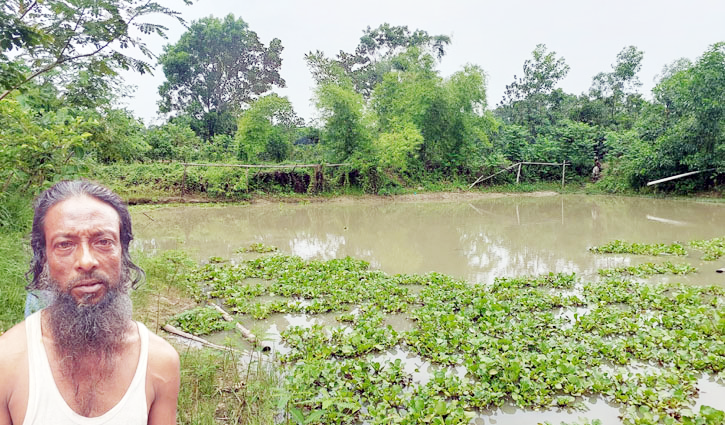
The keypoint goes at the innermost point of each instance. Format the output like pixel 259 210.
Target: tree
pixel 36 147
pixel 530 100
pixel 115 135
pixel 683 129
pixel 345 134
pixel 449 114
pixel 50 34
pixel 215 68
pixel 373 57
pixel 172 140
pixel 616 90
pixel 268 127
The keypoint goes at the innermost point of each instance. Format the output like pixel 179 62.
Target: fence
pixel 317 177
pixel 518 172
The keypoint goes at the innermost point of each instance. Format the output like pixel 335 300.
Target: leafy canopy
pixel 218 65
pixel 374 56
pixel 268 128
pixel 45 35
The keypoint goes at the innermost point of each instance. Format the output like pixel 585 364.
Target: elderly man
pixel 82 360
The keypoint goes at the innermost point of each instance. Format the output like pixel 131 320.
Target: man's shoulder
pixel 13 343
pixel 163 358
pixel 13 353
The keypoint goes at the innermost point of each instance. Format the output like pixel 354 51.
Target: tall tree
pixel 215 68
pixel 373 57
pixel 346 134
pixel 50 34
pixel 617 90
pixel 449 113
pixel 682 130
pixel 268 128
pixel 530 99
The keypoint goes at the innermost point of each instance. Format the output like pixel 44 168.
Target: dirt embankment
pixel 411 197
pixel 416 197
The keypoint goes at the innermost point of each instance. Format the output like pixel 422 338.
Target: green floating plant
pixel 538 342
pixel 259 248
pixel 622 247
pixel 200 321
pixel 713 248
pixel 648 269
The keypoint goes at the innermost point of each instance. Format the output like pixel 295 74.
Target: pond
pixel 475 238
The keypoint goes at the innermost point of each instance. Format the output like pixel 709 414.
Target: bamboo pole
pixel 541 163
pixel 563 172
pixel 481 179
pixel 194 164
pixel 679 176
pixel 246 333
pixel 172 330
pixel 518 174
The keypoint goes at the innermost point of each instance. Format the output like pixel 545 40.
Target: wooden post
pixel 321 179
pixel 563 172
pixel 183 182
pixel 518 174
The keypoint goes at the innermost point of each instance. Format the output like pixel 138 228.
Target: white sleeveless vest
pixel 46 404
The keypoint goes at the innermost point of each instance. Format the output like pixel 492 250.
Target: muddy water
pixel 473 239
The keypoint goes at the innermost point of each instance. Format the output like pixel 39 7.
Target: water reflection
pixel 476 240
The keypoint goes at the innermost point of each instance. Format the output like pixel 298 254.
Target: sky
pixel 498 36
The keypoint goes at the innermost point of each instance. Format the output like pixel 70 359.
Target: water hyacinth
pixel 538 342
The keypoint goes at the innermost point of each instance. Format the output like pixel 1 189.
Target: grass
pixel 216 387
pixel 14 260
pixel 221 387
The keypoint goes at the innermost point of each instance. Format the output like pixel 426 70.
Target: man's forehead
pixel 81 211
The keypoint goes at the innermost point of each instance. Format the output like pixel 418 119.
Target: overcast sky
pixel 496 35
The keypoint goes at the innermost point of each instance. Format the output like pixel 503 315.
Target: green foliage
pixel 208 78
pixel 80 35
pixel 648 269
pixel 219 387
pixel 200 321
pixel 397 149
pixel 266 130
pixel 173 140
pixel 622 247
pixel 115 136
pixel 713 248
pixel 259 248
pixel 615 90
pixel 682 131
pixel 449 115
pixel 14 260
pixel 38 149
pixel 531 99
pixel 537 342
pixel 345 134
pixel 374 57
pixel 169 270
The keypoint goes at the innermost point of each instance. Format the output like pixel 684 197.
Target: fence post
pixel 563 172
pixel 518 174
pixel 183 182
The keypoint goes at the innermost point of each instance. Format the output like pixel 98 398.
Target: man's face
pixel 83 246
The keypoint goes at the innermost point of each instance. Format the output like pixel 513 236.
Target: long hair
pixel 62 191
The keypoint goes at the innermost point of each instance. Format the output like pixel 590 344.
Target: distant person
pixel 597 170
pixel 82 359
